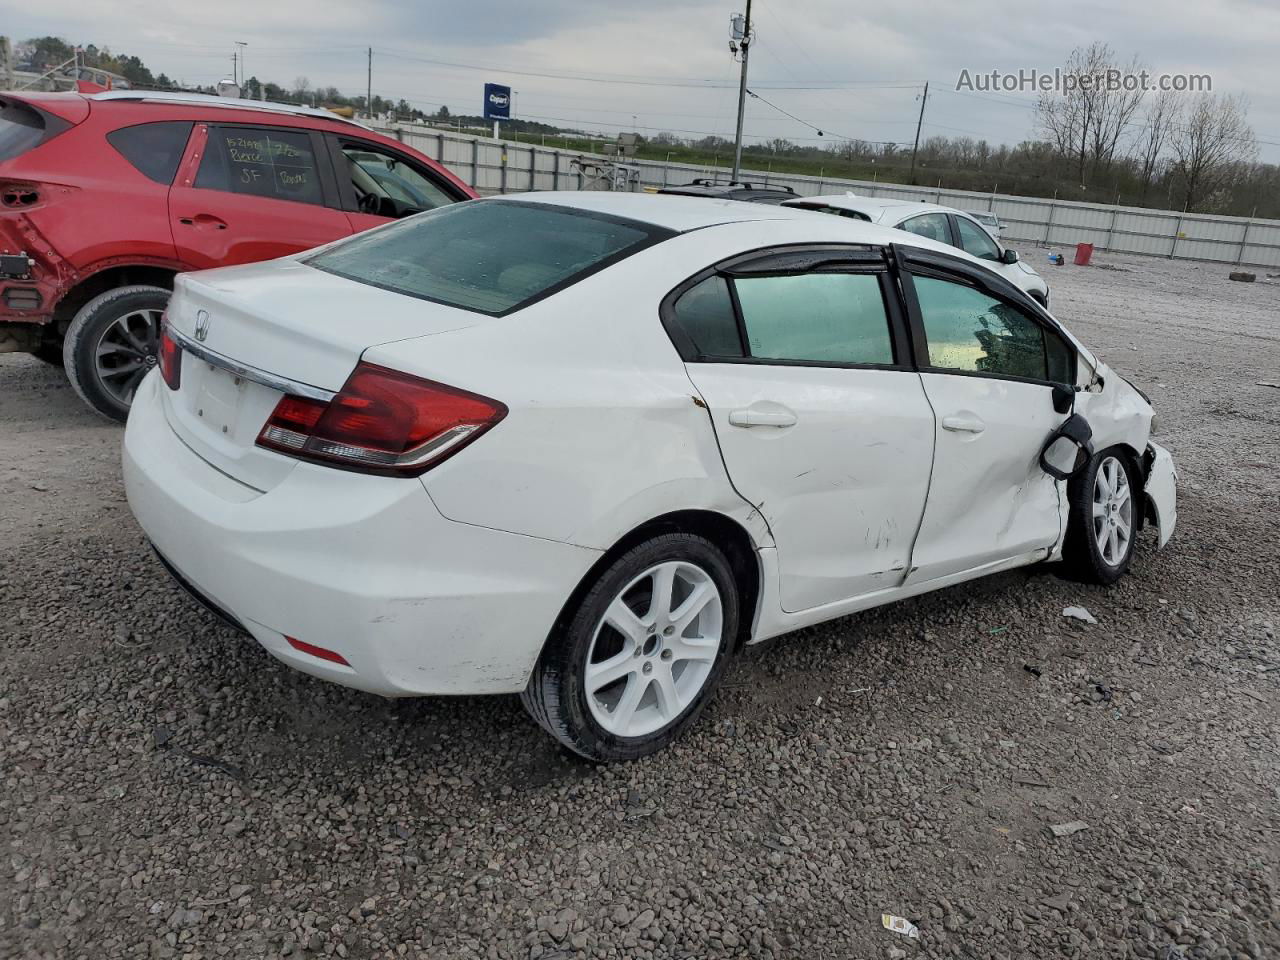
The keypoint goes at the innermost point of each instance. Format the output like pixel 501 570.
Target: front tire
pixel 111 345
pixel 639 656
pixel 1103 524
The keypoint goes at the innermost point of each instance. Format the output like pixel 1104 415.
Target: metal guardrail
pixel 505 166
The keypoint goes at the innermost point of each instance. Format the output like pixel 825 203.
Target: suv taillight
pixel 383 421
pixel 170 355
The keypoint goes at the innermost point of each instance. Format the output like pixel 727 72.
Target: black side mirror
pixel 1064 398
pixel 1010 256
pixel 1068 448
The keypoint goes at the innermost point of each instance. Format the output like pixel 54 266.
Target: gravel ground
pixel 170 790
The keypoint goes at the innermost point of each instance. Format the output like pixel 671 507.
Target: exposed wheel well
pixel 725 533
pixel 101 282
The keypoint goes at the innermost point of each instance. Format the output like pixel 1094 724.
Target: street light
pixel 240 60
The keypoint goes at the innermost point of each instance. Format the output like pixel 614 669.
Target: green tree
pixel 47 52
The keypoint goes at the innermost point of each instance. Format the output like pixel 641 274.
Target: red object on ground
pixel 1084 253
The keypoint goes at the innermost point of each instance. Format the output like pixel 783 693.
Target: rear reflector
pixel 170 357
pixel 318 652
pixel 383 421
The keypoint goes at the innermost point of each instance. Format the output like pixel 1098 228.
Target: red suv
pixel 104 197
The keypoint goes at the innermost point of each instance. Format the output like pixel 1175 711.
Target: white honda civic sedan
pixel 583 446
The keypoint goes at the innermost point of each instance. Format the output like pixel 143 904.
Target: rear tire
pixel 111 345
pixel 1102 528
pixel 639 656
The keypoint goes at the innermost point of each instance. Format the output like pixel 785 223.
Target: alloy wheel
pixel 654 649
pixel 126 352
pixel 1112 511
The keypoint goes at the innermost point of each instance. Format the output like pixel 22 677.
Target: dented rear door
pixel 823 427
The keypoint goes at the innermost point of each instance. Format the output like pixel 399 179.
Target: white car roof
pixel 877 208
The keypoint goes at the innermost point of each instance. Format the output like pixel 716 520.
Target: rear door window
pixel 490 256
pixel 827 317
pixel 154 149
pixel 833 318
pixel 261 162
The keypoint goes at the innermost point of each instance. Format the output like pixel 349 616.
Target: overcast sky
pixel 667 63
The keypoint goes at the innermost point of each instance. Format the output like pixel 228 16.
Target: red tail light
pixel 170 357
pixel 382 421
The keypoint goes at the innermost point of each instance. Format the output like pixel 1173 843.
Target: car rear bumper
pixel 1161 490
pixel 362 566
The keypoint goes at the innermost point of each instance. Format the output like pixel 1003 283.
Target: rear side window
pixel 276 164
pixel 490 256
pixel 705 314
pixel 817 317
pixel 21 128
pixel 155 149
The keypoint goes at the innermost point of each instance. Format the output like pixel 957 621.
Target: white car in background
pixel 988 220
pixel 944 224
pixel 582 446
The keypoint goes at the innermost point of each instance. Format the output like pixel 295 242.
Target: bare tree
pixel 1214 145
pixel 302 89
pixel 1116 106
pixel 1086 120
pixel 1163 114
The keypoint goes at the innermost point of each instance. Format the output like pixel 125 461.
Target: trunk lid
pixel 287 321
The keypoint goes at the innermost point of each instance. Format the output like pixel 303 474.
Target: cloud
pixel 802 43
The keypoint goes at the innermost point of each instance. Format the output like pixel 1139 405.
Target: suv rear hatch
pixel 26 123
pixel 281 323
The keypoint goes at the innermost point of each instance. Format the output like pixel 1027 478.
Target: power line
pixel 823 133
pixel 628 80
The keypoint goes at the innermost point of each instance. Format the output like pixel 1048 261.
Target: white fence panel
pixel 509 167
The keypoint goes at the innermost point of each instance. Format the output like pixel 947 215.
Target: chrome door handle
pixel 963 424
pixel 762 418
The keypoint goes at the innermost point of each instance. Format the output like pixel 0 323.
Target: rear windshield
pixel 490 256
pixel 21 128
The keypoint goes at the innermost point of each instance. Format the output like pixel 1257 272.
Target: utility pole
pixel 919 123
pixel 744 45
pixel 368 99
pixel 241 44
